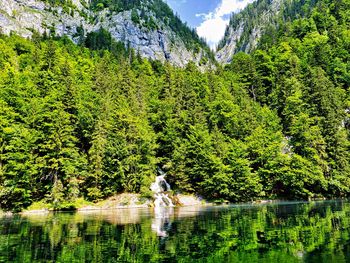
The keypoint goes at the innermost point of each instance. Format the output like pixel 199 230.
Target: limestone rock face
pixel 230 48
pixel 26 16
pixel 246 28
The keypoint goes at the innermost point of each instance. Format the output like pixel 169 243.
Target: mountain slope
pixel 260 20
pixel 81 124
pixel 150 27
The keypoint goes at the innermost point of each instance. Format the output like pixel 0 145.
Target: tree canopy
pixel 78 122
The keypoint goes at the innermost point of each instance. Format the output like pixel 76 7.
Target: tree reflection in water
pixel 284 232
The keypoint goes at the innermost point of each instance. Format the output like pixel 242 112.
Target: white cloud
pixel 214 24
pixel 212 30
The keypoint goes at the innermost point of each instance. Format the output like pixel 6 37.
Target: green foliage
pixel 88 123
pixel 102 40
pixel 303 78
pixel 271 21
pixel 135 17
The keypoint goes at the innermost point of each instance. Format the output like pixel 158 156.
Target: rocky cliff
pixel 258 25
pixel 246 28
pixel 77 18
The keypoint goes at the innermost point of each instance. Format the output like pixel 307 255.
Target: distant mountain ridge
pixel 148 26
pixel 248 29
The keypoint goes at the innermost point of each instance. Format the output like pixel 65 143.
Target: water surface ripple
pixel 279 232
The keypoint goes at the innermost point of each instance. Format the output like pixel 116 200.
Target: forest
pixel 92 120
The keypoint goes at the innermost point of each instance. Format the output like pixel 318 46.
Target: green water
pixel 284 232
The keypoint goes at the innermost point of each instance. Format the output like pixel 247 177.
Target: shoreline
pixel 149 205
pixel 119 202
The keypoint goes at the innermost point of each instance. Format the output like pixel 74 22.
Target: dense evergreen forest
pixel 267 16
pixel 89 123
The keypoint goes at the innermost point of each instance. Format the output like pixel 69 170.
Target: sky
pixel 209 17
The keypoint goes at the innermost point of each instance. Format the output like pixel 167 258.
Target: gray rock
pixel 24 16
pixel 247 45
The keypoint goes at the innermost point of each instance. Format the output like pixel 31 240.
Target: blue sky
pixel 187 9
pixel 209 17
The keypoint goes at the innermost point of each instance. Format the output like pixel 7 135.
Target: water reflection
pixel 117 217
pixel 286 232
pixel 161 222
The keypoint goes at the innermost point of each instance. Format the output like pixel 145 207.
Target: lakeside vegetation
pixel 90 123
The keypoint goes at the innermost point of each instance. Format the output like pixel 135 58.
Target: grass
pixel 43 205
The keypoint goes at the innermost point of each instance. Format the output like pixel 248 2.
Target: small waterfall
pixel 163 206
pixel 159 188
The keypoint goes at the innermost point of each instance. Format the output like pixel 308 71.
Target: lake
pixel 277 232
